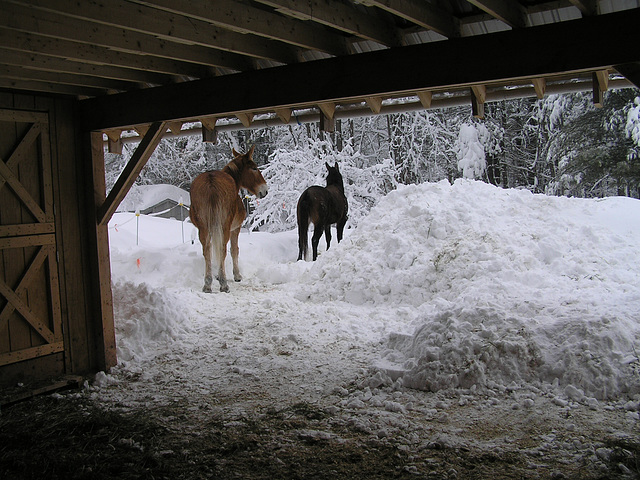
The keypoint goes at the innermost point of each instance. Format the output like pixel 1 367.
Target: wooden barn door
pixel 30 318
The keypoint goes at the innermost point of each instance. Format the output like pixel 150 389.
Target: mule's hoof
pixel 206 289
pixel 238 278
pixel 224 288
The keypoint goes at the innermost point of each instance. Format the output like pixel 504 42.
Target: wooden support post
pixel 375 104
pixel 425 99
pixel 540 86
pixel 478 97
pixel 245 118
pixel 175 127
pixel 209 132
pixel 128 176
pixel 102 314
pixel 114 142
pixel 284 114
pixel 327 121
pixel 600 85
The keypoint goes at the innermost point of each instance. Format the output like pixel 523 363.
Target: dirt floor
pixel 72 435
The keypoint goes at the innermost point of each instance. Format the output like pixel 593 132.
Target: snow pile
pixel 506 287
pixel 441 287
pixel 148 321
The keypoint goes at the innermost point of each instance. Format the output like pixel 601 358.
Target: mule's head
pixel 250 177
pixel 334 177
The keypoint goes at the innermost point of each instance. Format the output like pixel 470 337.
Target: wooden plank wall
pixel 82 309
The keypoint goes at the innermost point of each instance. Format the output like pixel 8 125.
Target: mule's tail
pixel 303 226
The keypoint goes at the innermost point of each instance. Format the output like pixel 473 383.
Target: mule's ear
pixel 327 165
pixel 250 153
pixel 234 153
pixel 336 167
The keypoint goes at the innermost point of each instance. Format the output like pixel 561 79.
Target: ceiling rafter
pixel 24 19
pixel 55 64
pixel 421 13
pixel 508 11
pixel 587 7
pixel 152 21
pixel 341 16
pixel 245 19
pixel 10 71
pixel 98 55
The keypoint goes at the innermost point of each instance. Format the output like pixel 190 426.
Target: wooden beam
pixel 425 99
pixel 51 65
pixel 327 124
pixel 328 109
pixel 375 104
pixel 284 114
pixel 478 97
pixel 128 176
pixel 209 132
pixel 421 13
pixel 515 54
pixel 539 85
pixel 20 73
pixel 245 118
pixel 244 19
pixel 152 21
pixel 57 25
pixel 602 79
pixel 114 146
pixel 586 7
pixel 600 85
pixel 175 127
pixel 341 16
pixel 100 299
pixel 508 11
pixel 97 55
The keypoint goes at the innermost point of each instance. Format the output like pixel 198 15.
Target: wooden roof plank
pixel 48 23
pixel 98 55
pixel 245 19
pixel 341 16
pixel 21 73
pixel 508 11
pixel 171 27
pixel 421 13
pixel 59 65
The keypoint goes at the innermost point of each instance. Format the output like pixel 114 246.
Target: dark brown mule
pixel 323 206
pixel 218 212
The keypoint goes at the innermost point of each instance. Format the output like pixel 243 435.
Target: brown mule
pixel 218 212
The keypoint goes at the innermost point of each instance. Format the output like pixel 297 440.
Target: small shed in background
pixel 165 201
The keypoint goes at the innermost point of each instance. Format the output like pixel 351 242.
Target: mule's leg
pixel 340 228
pixel 205 240
pixel 327 235
pixel 317 233
pixel 234 254
pixel 221 250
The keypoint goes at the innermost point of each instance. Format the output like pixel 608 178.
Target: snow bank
pixel 463 286
pixel 148 320
pixel 506 287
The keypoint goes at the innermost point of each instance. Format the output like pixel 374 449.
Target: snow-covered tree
pixel 290 171
pixel 470 150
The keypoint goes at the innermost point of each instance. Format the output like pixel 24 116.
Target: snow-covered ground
pixel 446 297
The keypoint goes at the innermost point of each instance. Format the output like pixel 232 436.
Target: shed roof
pixel 134 62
